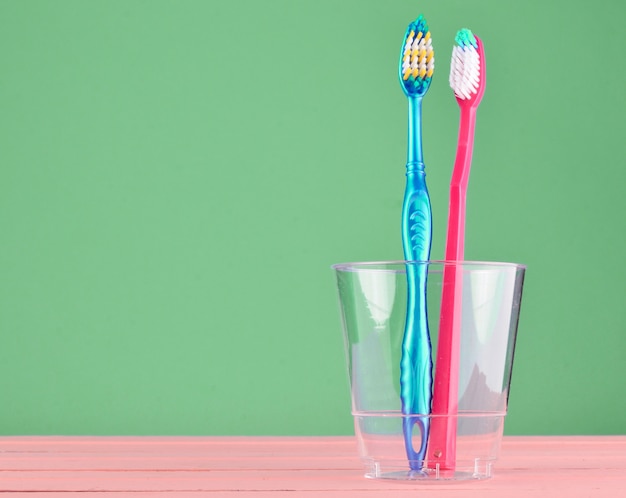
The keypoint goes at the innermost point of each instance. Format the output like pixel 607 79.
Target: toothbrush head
pixel 467 68
pixel 417 59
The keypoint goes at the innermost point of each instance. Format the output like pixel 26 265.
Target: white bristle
pixel 414 64
pixel 465 71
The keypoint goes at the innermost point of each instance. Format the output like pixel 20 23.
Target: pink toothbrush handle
pixel 442 445
pixel 455 239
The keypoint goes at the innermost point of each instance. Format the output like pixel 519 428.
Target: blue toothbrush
pixel 416 70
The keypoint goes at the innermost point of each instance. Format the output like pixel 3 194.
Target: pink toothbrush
pixel 467 79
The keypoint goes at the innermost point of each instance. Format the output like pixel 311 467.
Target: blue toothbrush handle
pixel 416 360
pixel 416 367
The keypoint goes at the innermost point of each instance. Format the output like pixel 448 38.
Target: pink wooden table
pixel 263 467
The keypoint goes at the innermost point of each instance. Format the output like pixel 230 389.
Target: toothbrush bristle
pixel 465 65
pixel 417 60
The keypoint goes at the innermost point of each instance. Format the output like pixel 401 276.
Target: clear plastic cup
pixel 373 301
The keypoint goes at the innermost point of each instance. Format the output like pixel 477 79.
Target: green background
pixel 177 177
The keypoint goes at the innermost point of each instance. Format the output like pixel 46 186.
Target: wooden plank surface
pixel 260 467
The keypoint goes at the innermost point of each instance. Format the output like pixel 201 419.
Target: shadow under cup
pixel 373 300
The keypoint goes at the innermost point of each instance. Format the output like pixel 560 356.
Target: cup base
pixel 397 471
pixel 382 447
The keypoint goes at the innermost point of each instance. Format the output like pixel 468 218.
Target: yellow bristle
pixel 422 72
pixel 427 37
pixel 429 73
pixel 407 73
pixel 430 55
pixel 419 36
pixel 406 57
pixel 416 72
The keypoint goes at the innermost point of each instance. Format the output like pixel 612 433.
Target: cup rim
pixel 365 265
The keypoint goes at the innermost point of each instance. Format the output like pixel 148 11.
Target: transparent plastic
pixel 373 298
